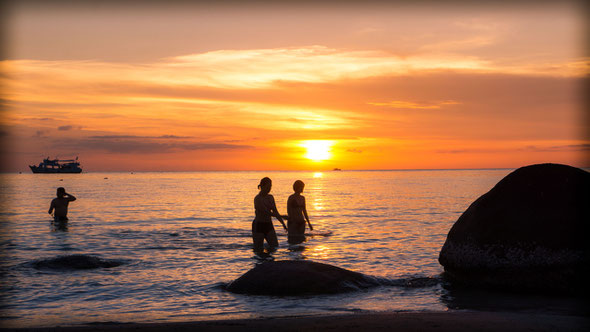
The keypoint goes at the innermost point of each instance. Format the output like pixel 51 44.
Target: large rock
pixel 298 278
pixel 75 262
pixel 530 232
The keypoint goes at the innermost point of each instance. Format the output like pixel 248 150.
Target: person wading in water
pixel 297 213
pixel 265 208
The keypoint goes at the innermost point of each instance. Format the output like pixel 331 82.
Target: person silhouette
pixel 297 215
pixel 60 205
pixel 265 208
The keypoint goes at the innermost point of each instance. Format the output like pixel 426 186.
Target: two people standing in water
pixel 265 208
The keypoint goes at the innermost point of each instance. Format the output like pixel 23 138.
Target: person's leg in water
pixel 258 239
pixel 271 238
pixel 296 232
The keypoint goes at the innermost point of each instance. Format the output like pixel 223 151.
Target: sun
pixel 318 150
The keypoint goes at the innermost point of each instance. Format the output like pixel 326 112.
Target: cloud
pixel 413 105
pixel 354 150
pixel 142 145
pixel 531 148
pixel 264 68
pixel 568 147
pixel 40 134
pixel 65 128
pixel 107 137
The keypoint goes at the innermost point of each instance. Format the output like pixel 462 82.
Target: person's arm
pixel 277 214
pixel 50 208
pixel 71 197
pixel 305 214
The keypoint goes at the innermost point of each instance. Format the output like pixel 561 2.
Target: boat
pixel 337 169
pixel 57 166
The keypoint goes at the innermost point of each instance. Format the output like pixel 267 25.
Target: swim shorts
pixel 261 227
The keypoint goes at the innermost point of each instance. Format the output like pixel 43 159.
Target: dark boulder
pixel 530 232
pixel 75 262
pixel 299 278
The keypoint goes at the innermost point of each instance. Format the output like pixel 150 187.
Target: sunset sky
pixel 297 86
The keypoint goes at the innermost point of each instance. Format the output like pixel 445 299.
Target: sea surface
pixel 178 237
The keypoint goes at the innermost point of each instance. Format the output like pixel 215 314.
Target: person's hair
pixel 298 185
pixel 264 181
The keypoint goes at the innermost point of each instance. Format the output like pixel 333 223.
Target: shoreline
pixel 479 321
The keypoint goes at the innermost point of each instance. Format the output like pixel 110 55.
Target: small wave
pixel 411 282
pixel 319 233
pixel 186 232
pixel 75 262
pixel 164 248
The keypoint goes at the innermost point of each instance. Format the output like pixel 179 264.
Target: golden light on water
pixel 318 150
pixel 318 175
pixel 320 252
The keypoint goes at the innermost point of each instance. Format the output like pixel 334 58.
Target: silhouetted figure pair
pixel 265 208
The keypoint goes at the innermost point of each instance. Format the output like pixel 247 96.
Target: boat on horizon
pixel 57 166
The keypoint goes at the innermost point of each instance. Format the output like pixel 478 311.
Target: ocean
pixel 178 237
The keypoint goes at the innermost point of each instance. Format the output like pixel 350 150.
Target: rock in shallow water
pixel 298 278
pixel 75 262
pixel 530 232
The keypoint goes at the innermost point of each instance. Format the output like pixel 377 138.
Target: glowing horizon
pixel 466 88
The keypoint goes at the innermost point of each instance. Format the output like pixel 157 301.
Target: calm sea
pixel 181 236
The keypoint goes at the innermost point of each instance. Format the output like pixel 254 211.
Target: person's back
pixel 263 205
pixel 297 213
pixel 295 205
pixel 60 205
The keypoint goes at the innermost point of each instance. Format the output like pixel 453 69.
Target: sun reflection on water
pixel 319 252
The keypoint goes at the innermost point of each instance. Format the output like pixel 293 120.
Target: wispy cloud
pixel 68 127
pixel 413 105
pixel 530 148
pixel 262 68
pixel 139 145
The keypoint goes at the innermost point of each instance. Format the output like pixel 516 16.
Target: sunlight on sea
pixel 181 236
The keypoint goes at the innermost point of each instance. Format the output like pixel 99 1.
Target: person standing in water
pixel 297 214
pixel 60 205
pixel 265 208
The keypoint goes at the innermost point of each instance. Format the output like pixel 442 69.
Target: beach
pixel 395 321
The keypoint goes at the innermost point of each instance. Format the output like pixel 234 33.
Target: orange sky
pixel 179 86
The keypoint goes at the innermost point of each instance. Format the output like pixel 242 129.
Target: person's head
pixel 298 186
pixel 61 191
pixel 265 185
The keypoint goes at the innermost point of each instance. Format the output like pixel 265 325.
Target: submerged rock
pixel 75 262
pixel 530 232
pixel 298 278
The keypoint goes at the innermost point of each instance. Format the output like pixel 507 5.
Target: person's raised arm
pixel 305 214
pixel 71 197
pixel 277 214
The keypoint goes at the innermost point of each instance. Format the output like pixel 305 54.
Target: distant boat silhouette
pixel 337 169
pixel 57 166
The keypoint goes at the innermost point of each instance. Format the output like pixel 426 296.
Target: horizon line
pixel 314 171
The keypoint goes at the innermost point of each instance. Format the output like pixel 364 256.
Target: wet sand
pixel 395 321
